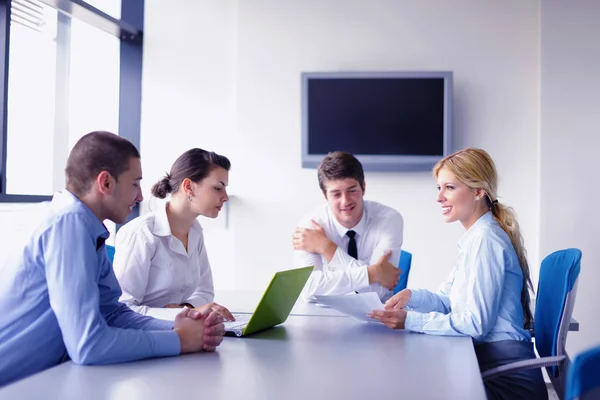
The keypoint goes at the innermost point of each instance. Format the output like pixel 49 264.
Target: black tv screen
pixel 391 121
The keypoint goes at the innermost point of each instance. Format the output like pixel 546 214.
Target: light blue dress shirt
pixel 59 300
pixel 482 297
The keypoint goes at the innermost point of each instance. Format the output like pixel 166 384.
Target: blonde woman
pixel 161 260
pixel 486 295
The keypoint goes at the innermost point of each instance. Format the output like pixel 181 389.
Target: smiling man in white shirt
pixel 353 244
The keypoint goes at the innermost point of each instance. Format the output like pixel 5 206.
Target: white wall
pixel 225 75
pixel 570 121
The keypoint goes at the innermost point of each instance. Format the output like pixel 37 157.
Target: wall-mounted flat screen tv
pixel 392 121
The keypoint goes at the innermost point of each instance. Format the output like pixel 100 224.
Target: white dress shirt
pixel 380 229
pixel 482 297
pixel 154 269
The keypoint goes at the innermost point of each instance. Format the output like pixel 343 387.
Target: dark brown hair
pixel 96 152
pixel 194 164
pixel 340 165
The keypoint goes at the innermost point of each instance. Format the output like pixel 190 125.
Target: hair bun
pixel 162 188
pixel 166 183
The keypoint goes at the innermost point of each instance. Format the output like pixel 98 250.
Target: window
pixel 31 92
pixel 94 81
pixel 64 79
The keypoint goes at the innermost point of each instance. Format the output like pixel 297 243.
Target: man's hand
pixel 190 328
pixel 199 331
pixel 383 272
pixel 213 331
pixel 398 301
pixel 391 319
pixel 314 241
pixel 219 309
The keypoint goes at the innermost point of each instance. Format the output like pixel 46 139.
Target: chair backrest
pixel 557 289
pixel 583 379
pixel 110 252
pixel 404 265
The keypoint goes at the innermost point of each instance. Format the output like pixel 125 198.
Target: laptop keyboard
pixel 241 320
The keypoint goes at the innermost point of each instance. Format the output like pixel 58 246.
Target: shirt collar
pixel 358 228
pixel 161 221
pixel 483 220
pixel 65 201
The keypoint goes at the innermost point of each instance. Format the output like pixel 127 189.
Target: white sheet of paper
pixel 356 305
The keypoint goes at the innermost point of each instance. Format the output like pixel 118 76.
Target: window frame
pixel 129 29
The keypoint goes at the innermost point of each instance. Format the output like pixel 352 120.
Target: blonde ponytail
pixel 505 216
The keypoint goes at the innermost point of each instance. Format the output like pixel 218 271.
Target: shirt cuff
pixel 416 297
pixel 414 321
pixel 166 343
pixel 360 279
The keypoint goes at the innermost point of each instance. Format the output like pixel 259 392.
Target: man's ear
pixel 105 182
pixel 364 187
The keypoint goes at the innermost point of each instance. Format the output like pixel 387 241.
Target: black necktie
pixel 352 250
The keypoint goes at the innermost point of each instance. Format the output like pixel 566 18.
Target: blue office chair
pixel 110 252
pixel 404 265
pixel 557 289
pixel 583 377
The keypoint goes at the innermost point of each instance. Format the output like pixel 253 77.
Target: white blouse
pixel 154 269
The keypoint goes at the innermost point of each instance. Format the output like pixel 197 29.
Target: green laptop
pixel 275 304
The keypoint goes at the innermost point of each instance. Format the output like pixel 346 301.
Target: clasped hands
pixel 199 330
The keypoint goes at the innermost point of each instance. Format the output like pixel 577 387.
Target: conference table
pixel 317 353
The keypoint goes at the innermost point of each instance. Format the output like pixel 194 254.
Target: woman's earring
pixel 190 198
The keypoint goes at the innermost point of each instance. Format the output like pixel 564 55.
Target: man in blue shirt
pixel 58 292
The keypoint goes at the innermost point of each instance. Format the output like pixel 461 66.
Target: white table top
pixel 308 357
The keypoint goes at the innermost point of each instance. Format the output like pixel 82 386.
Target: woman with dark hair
pixel 161 260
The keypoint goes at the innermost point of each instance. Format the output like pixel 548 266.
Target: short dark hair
pixel 194 164
pixel 96 152
pixel 340 165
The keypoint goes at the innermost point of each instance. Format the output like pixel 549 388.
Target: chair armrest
pixel 522 365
